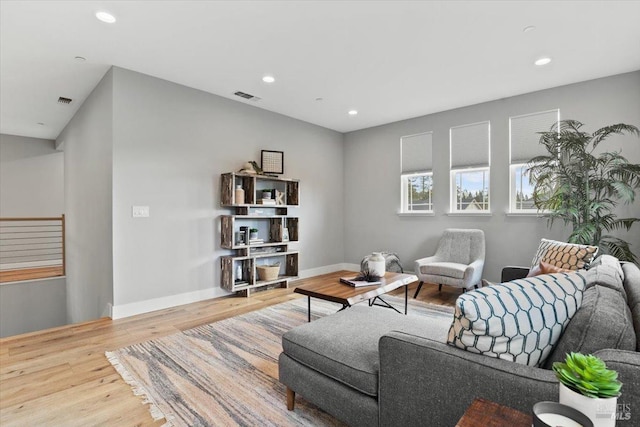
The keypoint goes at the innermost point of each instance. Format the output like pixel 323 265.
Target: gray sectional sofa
pixel 370 366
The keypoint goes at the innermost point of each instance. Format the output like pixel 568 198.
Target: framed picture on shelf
pixel 272 161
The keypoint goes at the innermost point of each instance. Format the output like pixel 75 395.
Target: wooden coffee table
pixel 485 413
pixel 346 295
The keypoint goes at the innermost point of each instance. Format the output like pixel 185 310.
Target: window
pixel 470 153
pixel 418 192
pixel 416 173
pixel 524 145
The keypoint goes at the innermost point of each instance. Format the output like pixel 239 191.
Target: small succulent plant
pixel 588 375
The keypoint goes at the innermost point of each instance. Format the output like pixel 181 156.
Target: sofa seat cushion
pixel 450 269
pixel 519 321
pixel 339 347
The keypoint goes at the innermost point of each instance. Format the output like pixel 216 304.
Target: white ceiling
pixel 390 60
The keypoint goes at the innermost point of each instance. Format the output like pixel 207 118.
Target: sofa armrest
pixel 512 273
pixel 627 365
pixel 422 379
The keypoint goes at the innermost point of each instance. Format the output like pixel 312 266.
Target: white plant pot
pixel 601 411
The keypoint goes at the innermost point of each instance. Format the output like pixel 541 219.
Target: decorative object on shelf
pixel 552 414
pixel 285 234
pixel 240 238
pixel 239 193
pixel 588 386
pixel 252 168
pixel 279 198
pixel 268 271
pixel 266 194
pixel 272 161
pixel 376 264
pixel 253 234
pixel 239 272
pixel 580 183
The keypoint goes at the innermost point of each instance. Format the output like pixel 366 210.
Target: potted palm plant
pixel 588 386
pixel 582 187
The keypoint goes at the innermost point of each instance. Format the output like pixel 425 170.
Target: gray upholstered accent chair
pixel 458 261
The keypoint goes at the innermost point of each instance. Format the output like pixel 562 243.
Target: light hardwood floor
pixel 60 377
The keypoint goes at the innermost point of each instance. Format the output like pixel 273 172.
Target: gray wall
pixel 32 306
pixel 372 179
pixel 87 141
pixel 31 177
pixel 170 145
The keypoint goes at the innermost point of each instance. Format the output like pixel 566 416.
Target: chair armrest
pixel 513 272
pixel 473 273
pixel 423 261
pixel 421 379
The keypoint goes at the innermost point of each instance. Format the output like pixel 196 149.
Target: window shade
pixel 416 153
pixel 470 145
pixel 524 137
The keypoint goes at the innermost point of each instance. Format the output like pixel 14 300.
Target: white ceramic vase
pixel 601 411
pixel 376 264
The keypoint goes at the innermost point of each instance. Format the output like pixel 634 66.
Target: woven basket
pixel 268 272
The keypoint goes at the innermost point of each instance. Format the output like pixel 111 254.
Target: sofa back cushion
pixel 519 321
pixel 603 321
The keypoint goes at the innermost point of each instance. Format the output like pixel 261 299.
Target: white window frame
pixel 454 189
pixel 513 208
pixel 405 194
pixel 513 190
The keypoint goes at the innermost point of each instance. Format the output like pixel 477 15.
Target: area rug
pixel 226 373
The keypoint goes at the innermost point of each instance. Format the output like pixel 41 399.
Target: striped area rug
pixel 226 373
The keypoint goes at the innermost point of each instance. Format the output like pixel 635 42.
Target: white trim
pixel 146 306
pixel 28 264
pixel 26 282
pixel 527 213
pixel 416 213
pixel 465 213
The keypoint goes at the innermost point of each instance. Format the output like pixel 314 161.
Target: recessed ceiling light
pixel 40 124
pixel 542 61
pixel 528 28
pixel 353 112
pixel 80 58
pixel 106 17
pixel 318 99
pixel 268 79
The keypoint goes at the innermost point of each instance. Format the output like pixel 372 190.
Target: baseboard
pixel 146 306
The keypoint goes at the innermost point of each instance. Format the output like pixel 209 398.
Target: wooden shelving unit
pixel 271 222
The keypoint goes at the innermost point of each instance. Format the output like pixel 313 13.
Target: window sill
pixel 416 214
pixel 469 214
pixel 531 214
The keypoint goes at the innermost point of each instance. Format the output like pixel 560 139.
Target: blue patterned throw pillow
pixel 519 321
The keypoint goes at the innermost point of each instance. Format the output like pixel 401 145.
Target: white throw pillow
pixel 519 321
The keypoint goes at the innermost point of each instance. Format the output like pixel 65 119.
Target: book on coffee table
pixel 351 281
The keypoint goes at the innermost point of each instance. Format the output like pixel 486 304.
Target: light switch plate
pixel 140 211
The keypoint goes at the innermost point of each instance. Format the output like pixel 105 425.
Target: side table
pixel 485 413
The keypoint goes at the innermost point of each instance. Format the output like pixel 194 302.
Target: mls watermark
pixel 622 413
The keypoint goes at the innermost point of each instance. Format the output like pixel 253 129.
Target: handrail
pixel 32 247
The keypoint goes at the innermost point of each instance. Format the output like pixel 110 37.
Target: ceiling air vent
pixel 247 96
pixel 63 100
